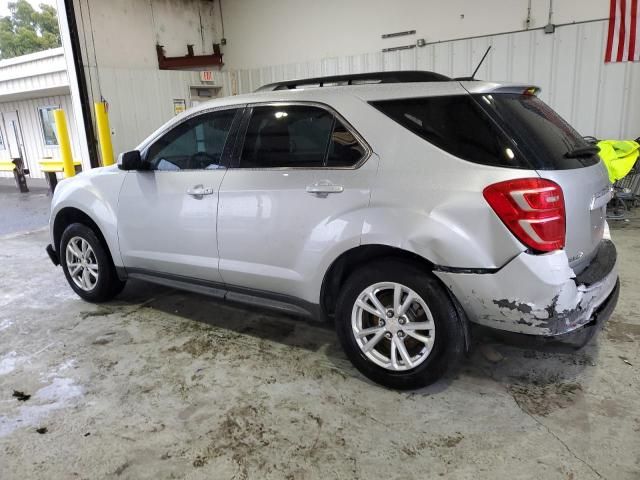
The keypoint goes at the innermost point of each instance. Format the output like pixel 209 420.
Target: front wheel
pixel 398 325
pixel 87 264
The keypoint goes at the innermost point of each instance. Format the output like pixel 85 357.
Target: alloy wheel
pixel 82 263
pixel 393 326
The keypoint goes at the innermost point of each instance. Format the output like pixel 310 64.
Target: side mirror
pixel 130 160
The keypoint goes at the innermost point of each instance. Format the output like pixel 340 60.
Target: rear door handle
pixel 199 191
pixel 324 189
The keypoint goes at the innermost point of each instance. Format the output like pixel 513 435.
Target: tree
pixel 26 30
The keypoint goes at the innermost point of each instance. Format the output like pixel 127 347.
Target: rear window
pixel 504 130
pixel 543 135
pixel 457 125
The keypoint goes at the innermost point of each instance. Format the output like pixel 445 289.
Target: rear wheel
pixel 87 264
pixel 398 325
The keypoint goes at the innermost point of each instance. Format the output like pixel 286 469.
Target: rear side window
pixel 286 136
pixel 543 136
pixel 344 148
pixel 298 136
pixel 457 125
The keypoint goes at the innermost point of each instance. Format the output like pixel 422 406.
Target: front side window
pixel 457 125
pixel 195 144
pixel 295 136
pixel 48 125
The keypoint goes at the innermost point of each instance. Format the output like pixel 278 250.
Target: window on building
pixel 48 125
pixel 2 147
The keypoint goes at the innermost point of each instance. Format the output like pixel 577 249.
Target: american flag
pixel 623 41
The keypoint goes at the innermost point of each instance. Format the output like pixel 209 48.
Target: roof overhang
pixel 35 93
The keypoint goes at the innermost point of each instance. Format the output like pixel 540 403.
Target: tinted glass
pixel 344 149
pixel 286 136
pixel 457 125
pixel 196 144
pixel 542 134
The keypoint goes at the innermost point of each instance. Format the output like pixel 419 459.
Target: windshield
pixel 545 138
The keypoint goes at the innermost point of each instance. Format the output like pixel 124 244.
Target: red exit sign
pixel 206 76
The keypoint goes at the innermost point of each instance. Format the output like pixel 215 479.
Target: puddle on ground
pixel 59 394
pixel 9 362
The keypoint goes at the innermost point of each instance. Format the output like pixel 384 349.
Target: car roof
pixel 332 95
pixel 367 92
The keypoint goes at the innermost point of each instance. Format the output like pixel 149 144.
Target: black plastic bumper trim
pixel 600 266
pixel 582 335
pixel 53 255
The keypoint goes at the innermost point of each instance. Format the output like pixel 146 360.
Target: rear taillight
pixel 533 209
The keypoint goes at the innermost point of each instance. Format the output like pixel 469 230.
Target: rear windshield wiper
pixel 582 151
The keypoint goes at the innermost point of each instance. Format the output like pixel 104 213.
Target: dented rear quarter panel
pixel 429 202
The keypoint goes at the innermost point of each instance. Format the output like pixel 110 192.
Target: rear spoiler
pixel 490 87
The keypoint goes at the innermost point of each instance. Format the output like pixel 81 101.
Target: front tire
pixel 87 264
pixel 398 325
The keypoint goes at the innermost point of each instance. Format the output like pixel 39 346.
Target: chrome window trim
pixel 368 151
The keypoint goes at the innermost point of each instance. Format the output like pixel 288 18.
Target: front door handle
pixel 323 189
pixel 199 191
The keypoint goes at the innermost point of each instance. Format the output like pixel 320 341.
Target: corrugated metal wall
pixel 36 71
pixel 35 149
pixel 141 100
pixel 598 99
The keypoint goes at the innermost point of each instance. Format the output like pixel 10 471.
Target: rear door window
pixel 298 136
pixel 543 135
pixel 457 125
pixel 286 136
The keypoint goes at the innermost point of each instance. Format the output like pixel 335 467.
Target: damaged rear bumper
pixel 539 294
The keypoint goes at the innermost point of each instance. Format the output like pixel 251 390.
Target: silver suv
pixel 399 205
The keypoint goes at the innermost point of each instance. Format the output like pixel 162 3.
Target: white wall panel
pixel 261 33
pixel 141 100
pixel 598 99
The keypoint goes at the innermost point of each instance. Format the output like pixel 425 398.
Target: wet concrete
pixel 163 384
pixel 21 212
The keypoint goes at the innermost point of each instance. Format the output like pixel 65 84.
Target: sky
pixel 4 10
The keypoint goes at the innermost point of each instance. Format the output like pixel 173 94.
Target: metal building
pixel 31 87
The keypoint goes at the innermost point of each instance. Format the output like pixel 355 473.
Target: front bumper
pixel 539 294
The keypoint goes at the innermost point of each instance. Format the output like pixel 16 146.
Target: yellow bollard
pixel 104 133
pixel 63 142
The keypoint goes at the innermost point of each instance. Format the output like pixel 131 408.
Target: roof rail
pixel 403 76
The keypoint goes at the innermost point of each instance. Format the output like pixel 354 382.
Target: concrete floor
pixel 22 212
pixel 163 384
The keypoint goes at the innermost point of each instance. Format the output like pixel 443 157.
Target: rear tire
pixel 87 264
pixel 398 350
